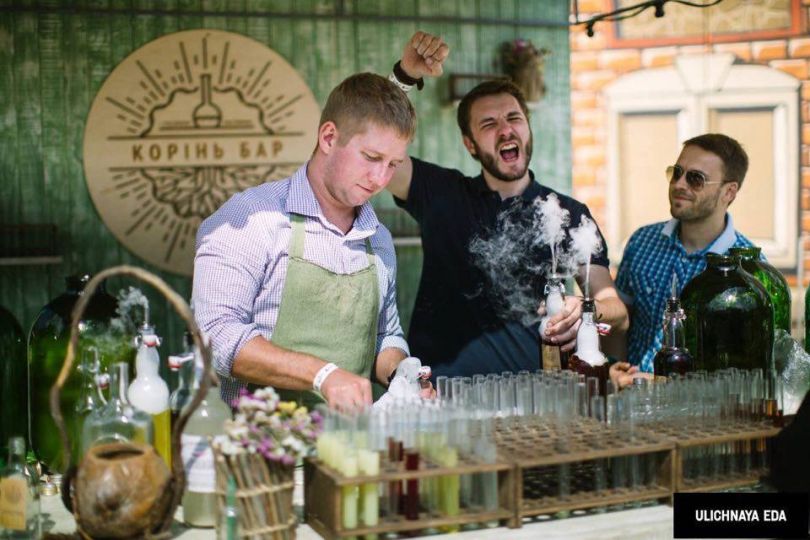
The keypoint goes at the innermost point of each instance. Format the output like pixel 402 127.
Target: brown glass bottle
pixel 673 357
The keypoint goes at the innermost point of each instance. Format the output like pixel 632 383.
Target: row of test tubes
pixel 410 435
pixel 701 404
pixel 473 415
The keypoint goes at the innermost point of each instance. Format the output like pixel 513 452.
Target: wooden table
pixel 647 523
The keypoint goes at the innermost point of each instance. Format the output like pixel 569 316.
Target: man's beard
pixel 489 162
pixel 698 211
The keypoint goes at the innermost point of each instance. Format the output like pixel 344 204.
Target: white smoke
pixel 585 244
pixel 114 342
pixel 551 219
pixel 128 316
pixel 509 256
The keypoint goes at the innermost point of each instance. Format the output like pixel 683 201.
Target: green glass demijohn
pixel 13 382
pixel 773 281
pixel 47 346
pixel 729 317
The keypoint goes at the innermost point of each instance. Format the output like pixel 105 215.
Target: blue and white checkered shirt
pixel 241 264
pixel 652 255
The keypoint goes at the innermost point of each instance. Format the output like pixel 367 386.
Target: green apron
pixel 328 315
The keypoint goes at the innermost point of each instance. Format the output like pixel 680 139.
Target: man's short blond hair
pixel 367 98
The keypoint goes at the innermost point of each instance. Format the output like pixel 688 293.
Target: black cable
pixel 628 12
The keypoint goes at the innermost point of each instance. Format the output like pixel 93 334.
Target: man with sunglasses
pixel 703 182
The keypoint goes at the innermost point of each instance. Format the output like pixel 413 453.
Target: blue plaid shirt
pixel 652 255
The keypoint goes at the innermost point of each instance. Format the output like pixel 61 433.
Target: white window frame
pixel 691 89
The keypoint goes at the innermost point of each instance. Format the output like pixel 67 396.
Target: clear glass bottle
pixel 118 420
pixel 19 497
pixel 552 357
pixel 588 358
pixel 773 281
pixel 729 318
pixel 673 357
pixel 150 393
pixel 47 345
pixel 91 397
pixel 13 382
pixel 207 421
pixel 183 365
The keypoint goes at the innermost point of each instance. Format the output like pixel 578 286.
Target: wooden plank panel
pixel 551 120
pixel 29 167
pixel 10 201
pixel 41 150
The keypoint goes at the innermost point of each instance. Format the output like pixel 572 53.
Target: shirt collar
pixel 721 244
pixel 529 194
pixel 302 200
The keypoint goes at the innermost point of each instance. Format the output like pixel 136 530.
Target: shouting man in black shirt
pixel 456 327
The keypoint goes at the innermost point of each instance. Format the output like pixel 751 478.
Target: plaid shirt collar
pixel 721 244
pixel 302 200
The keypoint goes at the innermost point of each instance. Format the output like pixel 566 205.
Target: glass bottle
pixel 92 397
pixel 19 497
pixel 588 359
pixel 13 381
pixel 552 357
pixel 729 318
pixel 183 365
pixel 149 392
pixel 773 281
pixel 47 345
pixel 673 357
pixel 118 420
pixel 207 421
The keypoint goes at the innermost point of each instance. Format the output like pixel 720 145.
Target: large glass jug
pixel 773 281
pixel 47 345
pixel 729 317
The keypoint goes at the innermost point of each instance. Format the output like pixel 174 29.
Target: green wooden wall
pixel 54 56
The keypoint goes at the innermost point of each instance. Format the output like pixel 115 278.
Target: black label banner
pixel 741 515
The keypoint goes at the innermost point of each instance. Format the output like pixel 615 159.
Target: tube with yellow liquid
pixel 149 393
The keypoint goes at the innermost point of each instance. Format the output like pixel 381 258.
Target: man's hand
pixel 562 328
pixel 426 390
pixel 424 56
pixel 622 374
pixel 346 391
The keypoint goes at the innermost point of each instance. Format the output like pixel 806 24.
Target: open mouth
pixel 509 152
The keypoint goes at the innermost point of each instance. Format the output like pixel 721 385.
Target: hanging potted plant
pixel 524 64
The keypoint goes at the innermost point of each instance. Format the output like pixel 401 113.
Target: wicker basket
pixel 161 515
pixel 264 494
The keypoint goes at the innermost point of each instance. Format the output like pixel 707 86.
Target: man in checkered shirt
pixel 702 184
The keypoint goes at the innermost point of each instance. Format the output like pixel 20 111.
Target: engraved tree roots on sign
pixel 182 124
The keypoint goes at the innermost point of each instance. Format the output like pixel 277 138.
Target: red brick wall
pixel 596 61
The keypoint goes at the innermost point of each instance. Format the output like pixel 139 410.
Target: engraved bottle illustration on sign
pixel 211 113
pixel 206 114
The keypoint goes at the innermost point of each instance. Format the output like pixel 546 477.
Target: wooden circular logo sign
pixel 182 124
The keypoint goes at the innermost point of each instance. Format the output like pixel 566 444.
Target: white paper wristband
pixel 322 374
pixel 402 86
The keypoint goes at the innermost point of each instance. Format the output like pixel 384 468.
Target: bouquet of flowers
pixel 280 431
pixel 261 446
pixel 524 64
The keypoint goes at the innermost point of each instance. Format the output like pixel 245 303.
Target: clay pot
pixel 121 490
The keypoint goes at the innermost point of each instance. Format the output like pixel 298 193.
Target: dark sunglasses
pixel 695 179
